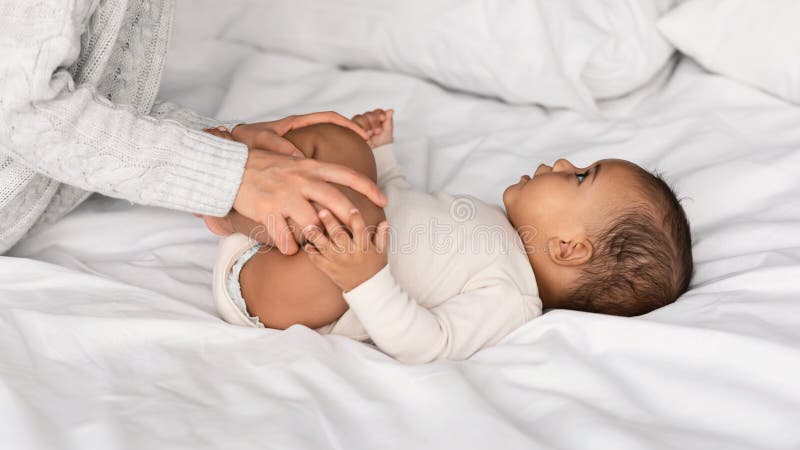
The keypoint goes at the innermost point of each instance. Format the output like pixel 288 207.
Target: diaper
pixel 234 251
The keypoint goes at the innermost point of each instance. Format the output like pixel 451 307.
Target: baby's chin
pixel 507 196
pixel 509 192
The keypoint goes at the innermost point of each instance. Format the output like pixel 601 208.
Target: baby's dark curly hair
pixel 642 260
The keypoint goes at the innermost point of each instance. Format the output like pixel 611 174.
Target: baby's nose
pixel 562 165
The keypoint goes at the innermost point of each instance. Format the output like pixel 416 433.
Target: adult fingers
pixel 268 140
pixel 297 231
pixel 356 181
pixel 221 226
pixel 359 229
pixel 250 228
pixel 302 213
pixel 316 237
pixel 305 120
pixel 382 236
pixel 329 197
pixel 281 235
pixel 214 132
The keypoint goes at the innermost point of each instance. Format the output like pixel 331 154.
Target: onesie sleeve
pixel 389 171
pixel 486 311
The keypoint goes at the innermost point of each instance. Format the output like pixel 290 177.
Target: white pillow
pixel 753 41
pixel 558 53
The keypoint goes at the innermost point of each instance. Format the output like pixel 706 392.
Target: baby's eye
pixel 581 176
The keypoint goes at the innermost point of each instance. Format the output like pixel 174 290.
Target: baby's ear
pixel 569 252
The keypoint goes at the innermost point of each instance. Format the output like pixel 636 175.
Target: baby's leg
pixel 286 290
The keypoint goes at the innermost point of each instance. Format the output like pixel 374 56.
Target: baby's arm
pixel 479 317
pixel 488 308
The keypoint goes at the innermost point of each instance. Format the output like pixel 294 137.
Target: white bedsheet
pixel 109 340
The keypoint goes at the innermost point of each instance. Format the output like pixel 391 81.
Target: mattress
pixel 110 339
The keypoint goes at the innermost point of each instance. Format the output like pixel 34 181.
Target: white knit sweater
pixel 78 81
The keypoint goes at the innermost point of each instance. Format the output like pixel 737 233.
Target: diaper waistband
pixel 233 252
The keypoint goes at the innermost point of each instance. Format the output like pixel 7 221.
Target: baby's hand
pixel 379 126
pixel 347 261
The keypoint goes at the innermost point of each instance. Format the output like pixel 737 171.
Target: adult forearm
pixel 82 139
pixel 166 110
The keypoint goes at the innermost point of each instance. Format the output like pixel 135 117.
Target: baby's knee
pixel 328 133
pixel 335 144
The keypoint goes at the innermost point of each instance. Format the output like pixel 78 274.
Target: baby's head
pixel 610 238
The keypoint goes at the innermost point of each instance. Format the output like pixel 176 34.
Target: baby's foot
pixel 379 125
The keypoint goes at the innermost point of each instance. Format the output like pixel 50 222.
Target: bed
pixel 110 340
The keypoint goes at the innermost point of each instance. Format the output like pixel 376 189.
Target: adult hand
pixel 288 195
pixel 269 135
pixel 276 188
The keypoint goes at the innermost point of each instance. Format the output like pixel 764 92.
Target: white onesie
pixel 458 279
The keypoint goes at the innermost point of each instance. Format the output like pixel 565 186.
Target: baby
pixel 448 275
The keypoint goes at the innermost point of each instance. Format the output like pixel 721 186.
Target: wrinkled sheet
pixel 109 339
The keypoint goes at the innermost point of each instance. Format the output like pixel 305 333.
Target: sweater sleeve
pixel 163 110
pixel 73 135
pixel 484 313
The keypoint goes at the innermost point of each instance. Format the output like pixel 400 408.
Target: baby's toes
pixel 380 113
pixel 374 122
pixel 362 122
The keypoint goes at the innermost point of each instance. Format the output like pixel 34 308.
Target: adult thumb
pixel 221 226
pixel 278 144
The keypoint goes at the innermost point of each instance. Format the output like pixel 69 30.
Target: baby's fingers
pixel 318 259
pixel 316 237
pixel 336 231
pixel 388 123
pixel 375 119
pixel 382 237
pixel 380 114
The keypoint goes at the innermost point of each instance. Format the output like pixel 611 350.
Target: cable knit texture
pixel 78 82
